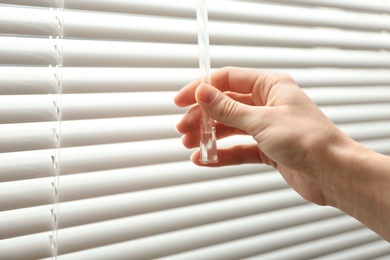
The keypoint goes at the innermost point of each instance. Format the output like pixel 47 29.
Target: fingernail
pixel 206 93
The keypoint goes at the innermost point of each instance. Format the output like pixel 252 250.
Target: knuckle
pixel 229 110
pixel 278 77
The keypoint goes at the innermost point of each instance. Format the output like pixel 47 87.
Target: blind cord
pixel 57 105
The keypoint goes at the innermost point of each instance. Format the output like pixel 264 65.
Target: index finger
pixel 240 80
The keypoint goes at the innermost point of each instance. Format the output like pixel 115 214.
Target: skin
pixel 315 158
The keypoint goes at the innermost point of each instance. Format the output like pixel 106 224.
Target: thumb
pixel 223 108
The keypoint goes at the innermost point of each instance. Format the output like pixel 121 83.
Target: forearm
pixel 359 184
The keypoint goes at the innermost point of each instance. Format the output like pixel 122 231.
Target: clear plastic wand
pixel 208 140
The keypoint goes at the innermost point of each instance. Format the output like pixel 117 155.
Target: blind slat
pixel 86 53
pixel 27 80
pixel 21 221
pixel 39 136
pixel 150 223
pixel 265 35
pixel 180 241
pixel 118 105
pixel 172 220
pixel 296 15
pixel 15 194
pixel 150 7
pixel 35 80
pixel 29 21
pixel 367 130
pixel 349 95
pixel 36 246
pixel 367 251
pixel 285 57
pixel 150 177
pixel 324 77
pixel 87 79
pixel 379 6
pixel 242 11
pixel 28 51
pixel 126 27
pixel 44 3
pixel 94 106
pixel 147 201
pixel 357 113
pixel 319 247
pixel 247 247
pixel 75 133
pixel 142 202
pixel 32 220
pixel 97 158
pixel 35 165
pixel 145 54
pixel 38 108
pixel 95 25
pixel 30 80
pixel 26 108
pixel 91 158
pixel 104 131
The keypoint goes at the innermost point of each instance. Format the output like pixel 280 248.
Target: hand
pixel 315 158
pixel 291 132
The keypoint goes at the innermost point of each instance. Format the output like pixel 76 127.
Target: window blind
pixel 91 166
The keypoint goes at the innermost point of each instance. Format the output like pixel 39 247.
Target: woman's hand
pixel 315 158
pixel 292 134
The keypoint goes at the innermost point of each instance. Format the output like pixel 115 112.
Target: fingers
pixel 190 120
pixel 229 111
pixel 189 126
pixel 238 80
pixel 191 139
pixel 242 98
pixel 235 155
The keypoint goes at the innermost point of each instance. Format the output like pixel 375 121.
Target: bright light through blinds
pixel 126 187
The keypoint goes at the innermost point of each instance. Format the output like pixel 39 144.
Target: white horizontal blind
pixel 126 187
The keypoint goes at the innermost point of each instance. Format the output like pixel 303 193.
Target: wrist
pixel 337 178
pixel 358 184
